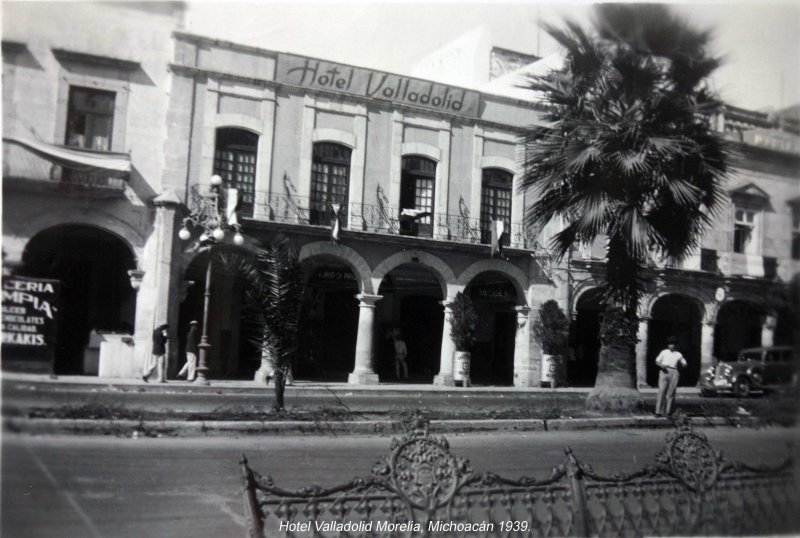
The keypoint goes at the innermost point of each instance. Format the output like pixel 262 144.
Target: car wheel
pixel 742 387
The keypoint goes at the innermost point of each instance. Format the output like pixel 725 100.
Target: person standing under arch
pixel 400 357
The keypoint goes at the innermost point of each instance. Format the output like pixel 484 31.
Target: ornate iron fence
pixel 422 489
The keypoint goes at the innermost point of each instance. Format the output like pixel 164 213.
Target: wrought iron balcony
pixel 382 219
pixel 64 168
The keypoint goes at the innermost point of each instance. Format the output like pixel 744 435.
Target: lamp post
pixel 211 220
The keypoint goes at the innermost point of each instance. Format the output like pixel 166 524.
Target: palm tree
pixel 274 281
pixel 626 153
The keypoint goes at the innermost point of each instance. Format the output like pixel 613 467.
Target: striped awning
pixel 83 160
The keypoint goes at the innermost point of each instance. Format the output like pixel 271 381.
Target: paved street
pixel 97 486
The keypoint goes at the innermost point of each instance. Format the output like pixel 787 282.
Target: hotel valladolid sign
pixel 321 75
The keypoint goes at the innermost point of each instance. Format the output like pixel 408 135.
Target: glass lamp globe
pixel 238 239
pixel 184 234
pixel 216 180
pixel 218 234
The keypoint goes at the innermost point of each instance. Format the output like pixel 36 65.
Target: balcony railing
pixel 384 220
pixel 22 163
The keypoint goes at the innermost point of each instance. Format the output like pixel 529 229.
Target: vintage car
pixel 759 368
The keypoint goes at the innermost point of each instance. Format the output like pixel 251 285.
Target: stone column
pixel 522 348
pixel 364 372
pixel 641 353
pixel 445 375
pixel 706 346
pixel 163 309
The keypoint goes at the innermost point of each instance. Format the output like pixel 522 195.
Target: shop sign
pixel 322 75
pixel 30 312
pixel 495 292
pixel 335 275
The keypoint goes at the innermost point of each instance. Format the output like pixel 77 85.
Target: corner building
pixel 417 171
pixel 84 124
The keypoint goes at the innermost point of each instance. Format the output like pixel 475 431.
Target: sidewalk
pixel 35 404
pixel 245 386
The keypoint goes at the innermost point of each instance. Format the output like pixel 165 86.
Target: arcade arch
pixel 585 339
pixel 679 316
pixel 738 326
pixel 495 297
pixel 411 306
pixel 92 265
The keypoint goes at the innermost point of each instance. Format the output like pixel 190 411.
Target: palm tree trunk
pixel 615 386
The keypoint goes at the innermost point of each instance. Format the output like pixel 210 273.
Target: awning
pixel 82 160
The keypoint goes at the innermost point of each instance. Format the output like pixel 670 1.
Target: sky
pixel 759 40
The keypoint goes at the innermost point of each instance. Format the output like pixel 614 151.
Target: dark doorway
pixel 674 315
pixel 235 351
pixel 585 340
pixel 411 304
pixel 329 323
pixel 738 327
pixel 92 266
pixel 494 297
pixel 421 321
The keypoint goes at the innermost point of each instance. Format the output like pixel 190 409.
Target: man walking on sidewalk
pixel 156 359
pixel 190 368
pixel 668 361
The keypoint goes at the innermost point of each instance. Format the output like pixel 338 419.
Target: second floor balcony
pixel 383 219
pixel 41 166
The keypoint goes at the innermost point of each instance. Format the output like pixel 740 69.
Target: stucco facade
pixel 415 172
pixel 50 49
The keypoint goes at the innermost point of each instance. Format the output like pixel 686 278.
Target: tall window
pixel 796 232
pixel 417 188
pixel 495 202
pixel 90 118
pixel 743 231
pixel 330 177
pixel 235 163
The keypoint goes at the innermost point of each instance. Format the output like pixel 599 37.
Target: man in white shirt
pixel 668 361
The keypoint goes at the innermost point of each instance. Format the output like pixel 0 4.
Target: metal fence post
pixel 580 511
pixel 251 510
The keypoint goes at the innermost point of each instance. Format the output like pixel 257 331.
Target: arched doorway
pixel 738 327
pixel 329 321
pixel 235 351
pixel 585 340
pixel 411 304
pixel 678 316
pixel 494 298
pixel 96 294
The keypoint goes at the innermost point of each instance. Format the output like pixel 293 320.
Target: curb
pixel 178 428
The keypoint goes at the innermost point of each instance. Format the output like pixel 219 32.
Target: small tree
pixel 464 323
pixel 551 328
pixel 273 300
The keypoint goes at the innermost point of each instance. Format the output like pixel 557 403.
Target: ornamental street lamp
pixel 209 218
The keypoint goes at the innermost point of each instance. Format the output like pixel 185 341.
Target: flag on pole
pixel 232 201
pixel 335 223
pixel 498 237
